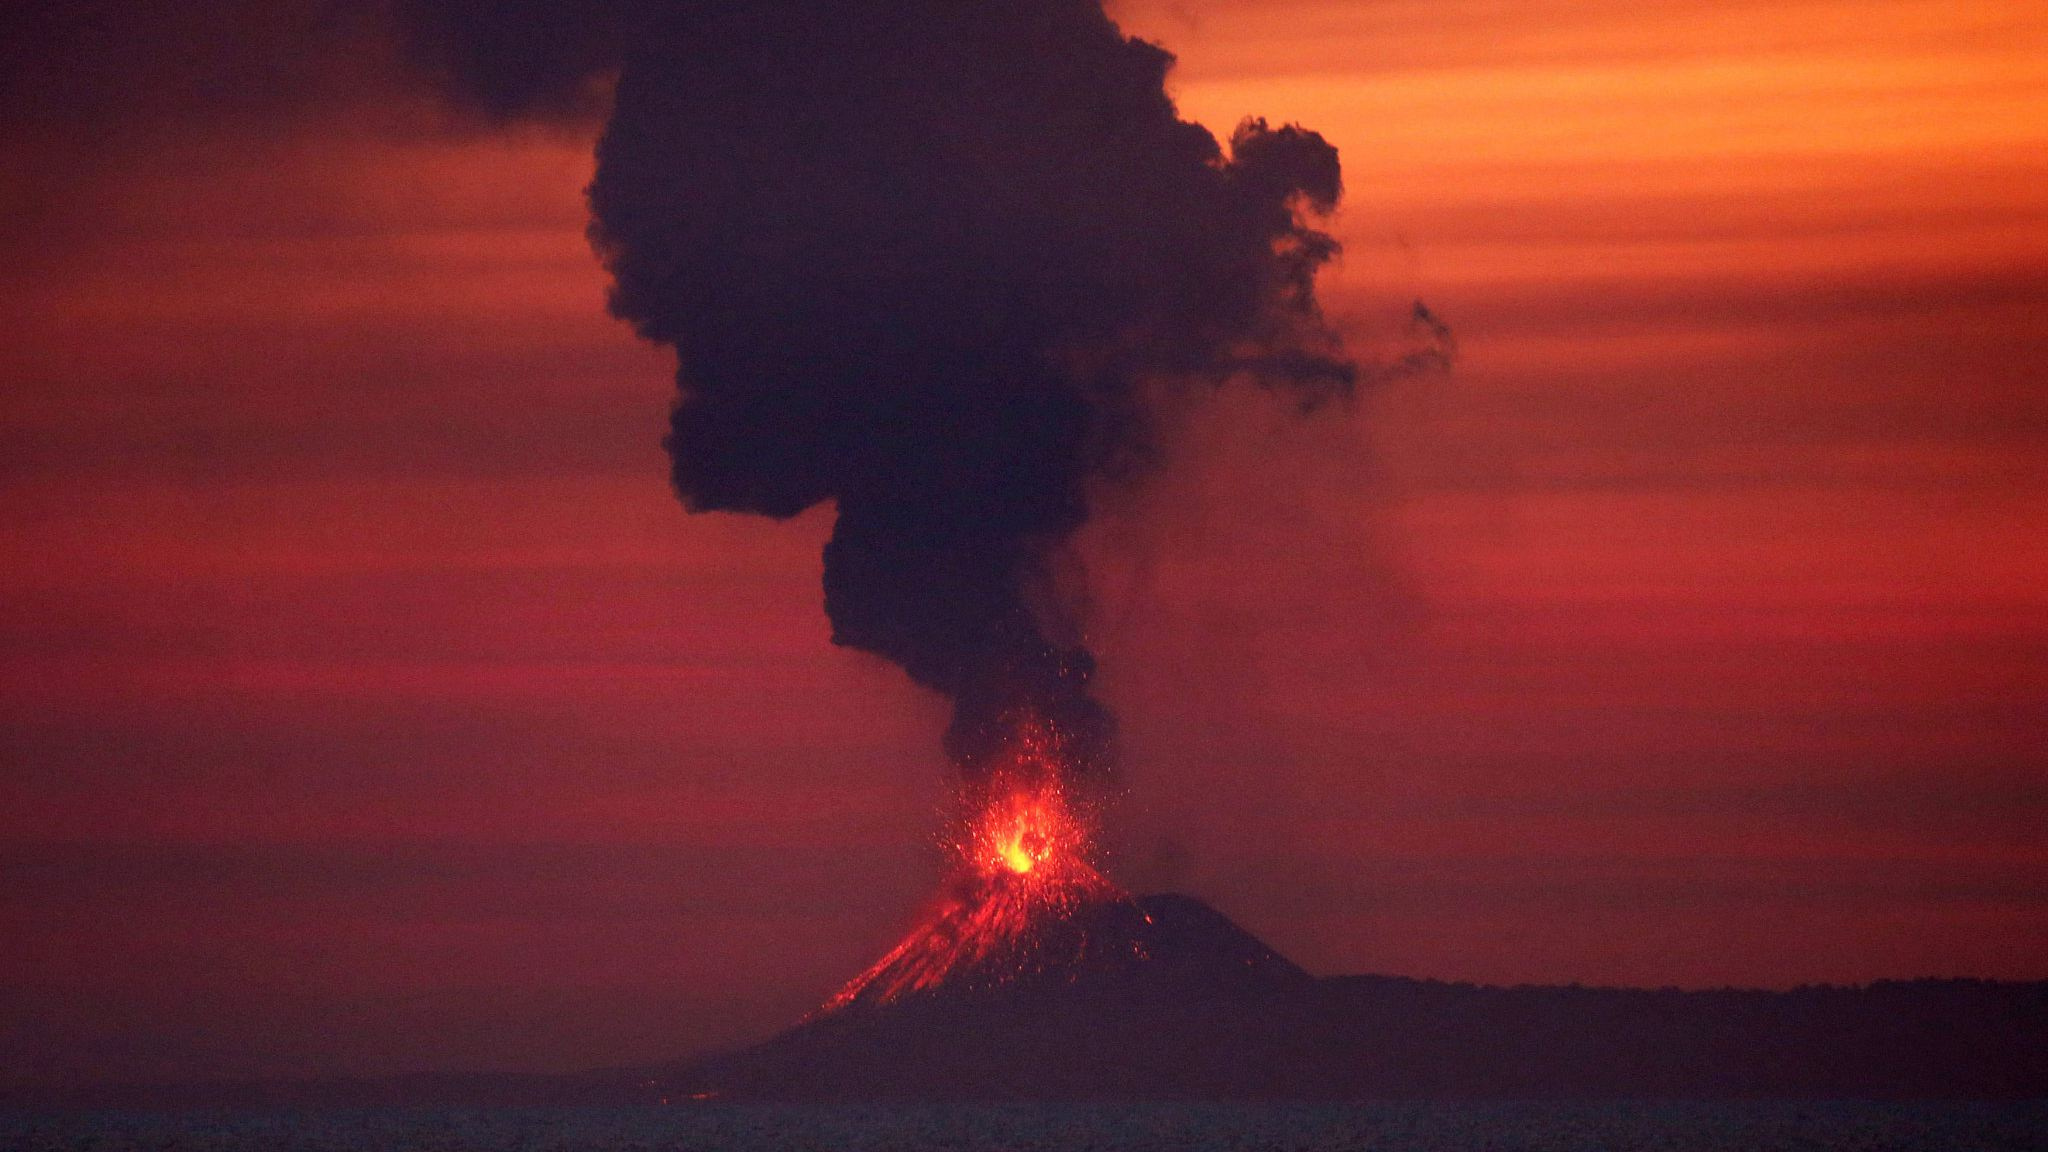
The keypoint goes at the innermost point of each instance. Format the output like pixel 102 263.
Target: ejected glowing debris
pixel 1021 867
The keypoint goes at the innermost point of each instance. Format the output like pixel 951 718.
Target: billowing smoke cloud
pixel 935 261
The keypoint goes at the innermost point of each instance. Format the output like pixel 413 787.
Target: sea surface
pixel 1482 1127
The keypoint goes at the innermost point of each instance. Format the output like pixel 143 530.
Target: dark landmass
pixel 1173 1001
pixel 1178 1002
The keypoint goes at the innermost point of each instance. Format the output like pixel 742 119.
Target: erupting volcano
pixel 1021 871
pixel 947 267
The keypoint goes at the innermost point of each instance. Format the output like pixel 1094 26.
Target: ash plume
pixel 936 262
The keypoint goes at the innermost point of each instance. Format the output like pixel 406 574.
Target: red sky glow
pixel 370 704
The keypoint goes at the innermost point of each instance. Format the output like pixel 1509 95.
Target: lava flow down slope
pixel 1150 996
pixel 1021 893
pixel 1031 969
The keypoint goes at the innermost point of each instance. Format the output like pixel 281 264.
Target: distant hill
pixel 1166 998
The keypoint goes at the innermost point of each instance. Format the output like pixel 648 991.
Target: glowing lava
pixel 1021 868
pixel 1018 857
pixel 1023 828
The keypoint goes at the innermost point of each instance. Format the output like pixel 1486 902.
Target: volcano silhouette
pixel 1160 995
pixel 1163 997
pixel 1105 943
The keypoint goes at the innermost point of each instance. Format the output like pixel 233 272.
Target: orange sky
pixel 371 704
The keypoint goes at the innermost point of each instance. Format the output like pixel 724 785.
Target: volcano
pixel 1158 995
pixel 1163 997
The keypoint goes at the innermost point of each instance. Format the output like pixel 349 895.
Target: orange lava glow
pixel 1023 828
pixel 1018 857
pixel 1022 865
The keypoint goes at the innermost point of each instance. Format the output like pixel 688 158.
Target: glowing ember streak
pixel 1021 869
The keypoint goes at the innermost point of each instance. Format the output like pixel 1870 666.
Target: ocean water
pixel 1477 1127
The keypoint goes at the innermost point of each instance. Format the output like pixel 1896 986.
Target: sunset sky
pixel 369 703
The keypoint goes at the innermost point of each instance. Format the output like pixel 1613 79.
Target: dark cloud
pixel 935 263
pixel 930 262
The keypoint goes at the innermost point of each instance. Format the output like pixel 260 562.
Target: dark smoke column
pixel 934 261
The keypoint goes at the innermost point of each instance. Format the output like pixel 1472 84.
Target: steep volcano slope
pixel 1110 941
pixel 1163 996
